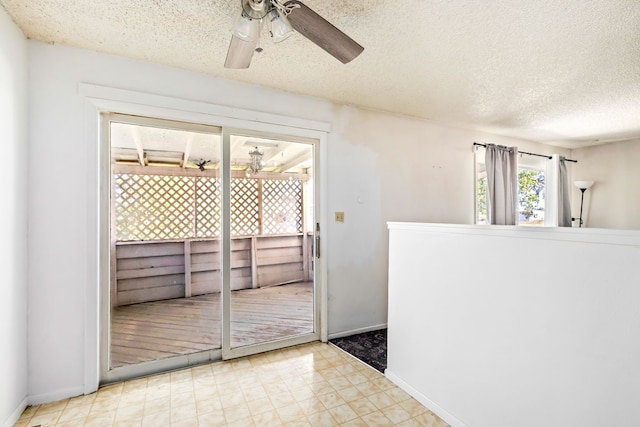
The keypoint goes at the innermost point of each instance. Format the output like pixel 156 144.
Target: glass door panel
pixel 165 275
pixel 272 292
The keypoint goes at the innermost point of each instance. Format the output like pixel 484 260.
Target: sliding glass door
pixel 211 244
pixel 271 282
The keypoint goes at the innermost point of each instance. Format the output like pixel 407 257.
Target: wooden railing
pixel 152 271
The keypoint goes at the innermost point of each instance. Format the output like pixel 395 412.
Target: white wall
pixel 614 199
pixel 496 326
pixel 13 216
pixel 380 166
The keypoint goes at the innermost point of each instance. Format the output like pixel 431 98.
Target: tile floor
pixel 308 385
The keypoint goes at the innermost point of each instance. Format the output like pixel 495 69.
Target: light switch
pixel 339 216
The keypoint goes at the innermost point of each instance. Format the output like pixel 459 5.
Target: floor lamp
pixel 582 186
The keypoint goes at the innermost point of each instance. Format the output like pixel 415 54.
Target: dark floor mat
pixel 370 347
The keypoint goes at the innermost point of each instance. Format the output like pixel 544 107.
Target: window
pixel 531 189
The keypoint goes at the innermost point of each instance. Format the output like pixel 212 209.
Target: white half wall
pixel 380 167
pixel 614 199
pixel 13 215
pixel 497 326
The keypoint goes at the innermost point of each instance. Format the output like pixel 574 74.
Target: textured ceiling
pixel 561 72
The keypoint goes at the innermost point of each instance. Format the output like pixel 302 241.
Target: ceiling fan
pixel 283 17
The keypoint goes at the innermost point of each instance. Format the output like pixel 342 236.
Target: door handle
pixel 318 240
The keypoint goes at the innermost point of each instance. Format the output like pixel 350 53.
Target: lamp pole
pixel 581 204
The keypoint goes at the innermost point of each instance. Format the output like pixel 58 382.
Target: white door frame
pixel 107 99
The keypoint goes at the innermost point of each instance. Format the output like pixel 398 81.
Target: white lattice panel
pixel 208 217
pixel 152 207
pixel 282 206
pixel 159 207
pixel 245 207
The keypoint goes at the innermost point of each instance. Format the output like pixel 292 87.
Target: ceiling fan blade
pixel 240 53
pixel 323 33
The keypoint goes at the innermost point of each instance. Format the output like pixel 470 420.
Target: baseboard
pixel 428 403
pixel 357 331
pixel 15 415
pixel 55 396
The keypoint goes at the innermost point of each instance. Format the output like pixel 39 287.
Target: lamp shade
pixel 583 185
pixel 246 29
pixel 279 26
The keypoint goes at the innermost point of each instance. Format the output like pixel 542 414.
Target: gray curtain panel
pixel 564 205
pixel 502 184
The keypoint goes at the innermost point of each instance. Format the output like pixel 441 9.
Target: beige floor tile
pixel 105 405
pixel 429 419
pixel 381 400
pixel 282 399
pixel 135 385
pixel 398 395
pixel 208 405
pixel 413 407
pixel 181 375
pixel 302 393
pixel 350 394
pixel 189 422
pixel 363 406
pixel 368 388
pixel 396 413
pixel 244 422
pixel 356 378
pixel 134 399
pixel 299 423
pixel 321 387
pixel 183 411
pixel 259 406
pixel 178 387
pixel 339 383
pixel 45 419
pixel 354 423
pixel 110 391
pixel 156 419
pixel 29 412
pixel 322 419
pixel 237 413
pixel 130 412
pixel 52 407
pixel 343 413
pixel 377 419
pixel 23 422
pixel 81 400
pixel 232 399
pixel 153 406
pixel 100 419
pixel 411 422
pixel 290 413
pixel 383 383
pixel 312 406
pixel 267 419
pixel 214 419
pixel 129 422
pixel 75 413
pixel 331 400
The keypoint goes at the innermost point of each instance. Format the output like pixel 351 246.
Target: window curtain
pixel 557 190
pixel 502 184
pixel 564 205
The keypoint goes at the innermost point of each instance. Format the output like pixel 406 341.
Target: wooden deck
pixel 161 329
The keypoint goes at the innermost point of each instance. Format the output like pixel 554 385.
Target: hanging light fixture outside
pixel 256 163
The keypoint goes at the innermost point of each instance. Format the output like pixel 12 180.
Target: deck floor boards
pixel 161 329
